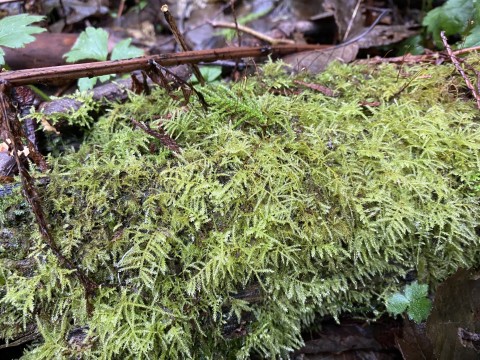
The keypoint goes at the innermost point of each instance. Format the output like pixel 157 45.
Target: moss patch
pixel 283 204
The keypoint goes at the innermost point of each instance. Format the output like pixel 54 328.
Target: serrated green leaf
pixel 92 44
pixel 123 50
pixel 452 17
pixel 416 291
pixel 419 309
pixel 89 83
pixel 397 304
pixel 473 38
pixel 86 83
pixel 209 73
pixel 15 31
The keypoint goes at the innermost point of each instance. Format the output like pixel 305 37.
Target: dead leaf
pixel 317 87
pixel 48 127
pixel 382 35
pixel 316 61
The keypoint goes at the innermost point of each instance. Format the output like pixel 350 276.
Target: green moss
pixel 309 204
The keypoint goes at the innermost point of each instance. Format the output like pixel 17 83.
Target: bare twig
pixel 409 58
pixel 181 41
pixel 459 68
pixel 235 21
pixel 76 71
pixel 317 87
pixel 350 23
pixel 250 31
pixel 25 338
pixel 161 135
pixel 13 127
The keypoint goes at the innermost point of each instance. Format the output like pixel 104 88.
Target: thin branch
pixel 409 58
pixel 459 68
pixel 181 41
pixel 161 135
pixel 352 19
pixel 250 31
pixel 235 21
pixel 76 71
pixel 13 127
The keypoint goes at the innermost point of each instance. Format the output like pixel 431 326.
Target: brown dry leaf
pixel 382 35
pixel 317 87
pixel 316 61
pixel 48 127
pixel 3 147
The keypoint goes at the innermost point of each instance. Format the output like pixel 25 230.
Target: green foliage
pixel 455 17
pixel 209 73
pixel 475 181
pixel 414 302
pixel 284 204
pixel 123 50
pixel 16 31
pixel 92 44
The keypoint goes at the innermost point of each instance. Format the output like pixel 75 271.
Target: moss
pixel 284 204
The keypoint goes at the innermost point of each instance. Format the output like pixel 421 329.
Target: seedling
pixel 455 17
pixel 413 301
pixel 16 31
pixel 209 73
pixel 92 44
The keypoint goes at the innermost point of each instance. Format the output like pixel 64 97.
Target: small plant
pixel 92 44
pixel 455 17
pixel 16 31
pixel 414 301
pixel 209 73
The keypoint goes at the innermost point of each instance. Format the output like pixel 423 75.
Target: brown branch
pixel 76 71
pixel 25 338
pixel 409 58
pixel 250 31
pixel 12 126
pixel 161 135
pixel 459 68
pixel 181 41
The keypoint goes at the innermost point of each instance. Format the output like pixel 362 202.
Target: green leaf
pixel 92 44
pixel 452 17
pixel 86 83
pixel 397 304
pixel 123 50
pixel 210 73
pixel 473 39
pixel 15 31
pixel 419 309
pixel 89 83
pixel 416 291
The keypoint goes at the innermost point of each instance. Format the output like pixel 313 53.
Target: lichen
pixel 284 204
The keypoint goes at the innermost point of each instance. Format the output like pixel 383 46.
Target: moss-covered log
pixel 283 204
